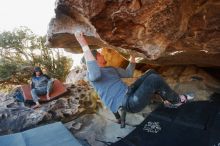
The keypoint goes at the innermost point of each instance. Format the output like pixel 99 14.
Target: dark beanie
pixel 37 69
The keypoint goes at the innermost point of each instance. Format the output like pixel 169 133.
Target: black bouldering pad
pixel 196 114
pixel 164 113
pixel 193 124
pixel 215 130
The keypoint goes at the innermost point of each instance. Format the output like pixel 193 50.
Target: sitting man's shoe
pixel 36 106
pixel 183 99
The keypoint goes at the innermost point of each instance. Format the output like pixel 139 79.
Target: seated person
pixel 41 84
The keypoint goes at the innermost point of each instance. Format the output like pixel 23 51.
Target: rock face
pixel 191 79
pixel 76 74
pixel 14 117
pixel 18 118
pixel 79 111
pixel 94 128
pixel 159 32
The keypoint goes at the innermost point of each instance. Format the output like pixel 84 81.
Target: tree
pixel 21 50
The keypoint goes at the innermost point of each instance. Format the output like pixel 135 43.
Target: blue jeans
pixel 141 91
pixel 36 92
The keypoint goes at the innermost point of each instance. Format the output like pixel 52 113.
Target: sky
pixel 35 14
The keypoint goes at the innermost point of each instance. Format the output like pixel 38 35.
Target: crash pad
pixel 195 123
pixel 57 89
pixel 54 134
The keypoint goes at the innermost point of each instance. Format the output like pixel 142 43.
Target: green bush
pixel 21 50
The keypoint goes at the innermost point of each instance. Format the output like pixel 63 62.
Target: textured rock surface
pixel 102 126
pixel 81 103
pixel 191 79
pixel 76 74
pixel 160 31
pixel 14 117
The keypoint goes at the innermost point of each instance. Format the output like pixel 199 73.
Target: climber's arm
pixel 94 72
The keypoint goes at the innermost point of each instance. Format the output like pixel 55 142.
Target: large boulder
pixel 94 128
pixel 76 74
pixel 159 32
pixel 14 117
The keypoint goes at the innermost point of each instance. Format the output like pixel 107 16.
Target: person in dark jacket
pixel 41 84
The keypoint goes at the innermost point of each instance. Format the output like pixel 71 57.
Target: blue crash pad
pixel 49 135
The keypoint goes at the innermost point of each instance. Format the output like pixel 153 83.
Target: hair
pixel 94 53
pixel 37 68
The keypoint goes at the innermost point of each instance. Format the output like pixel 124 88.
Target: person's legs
pixel 140 80
pixel 35 93
pixel 117 117
pixel 49 88
pixel 151 84
pixel 120 118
